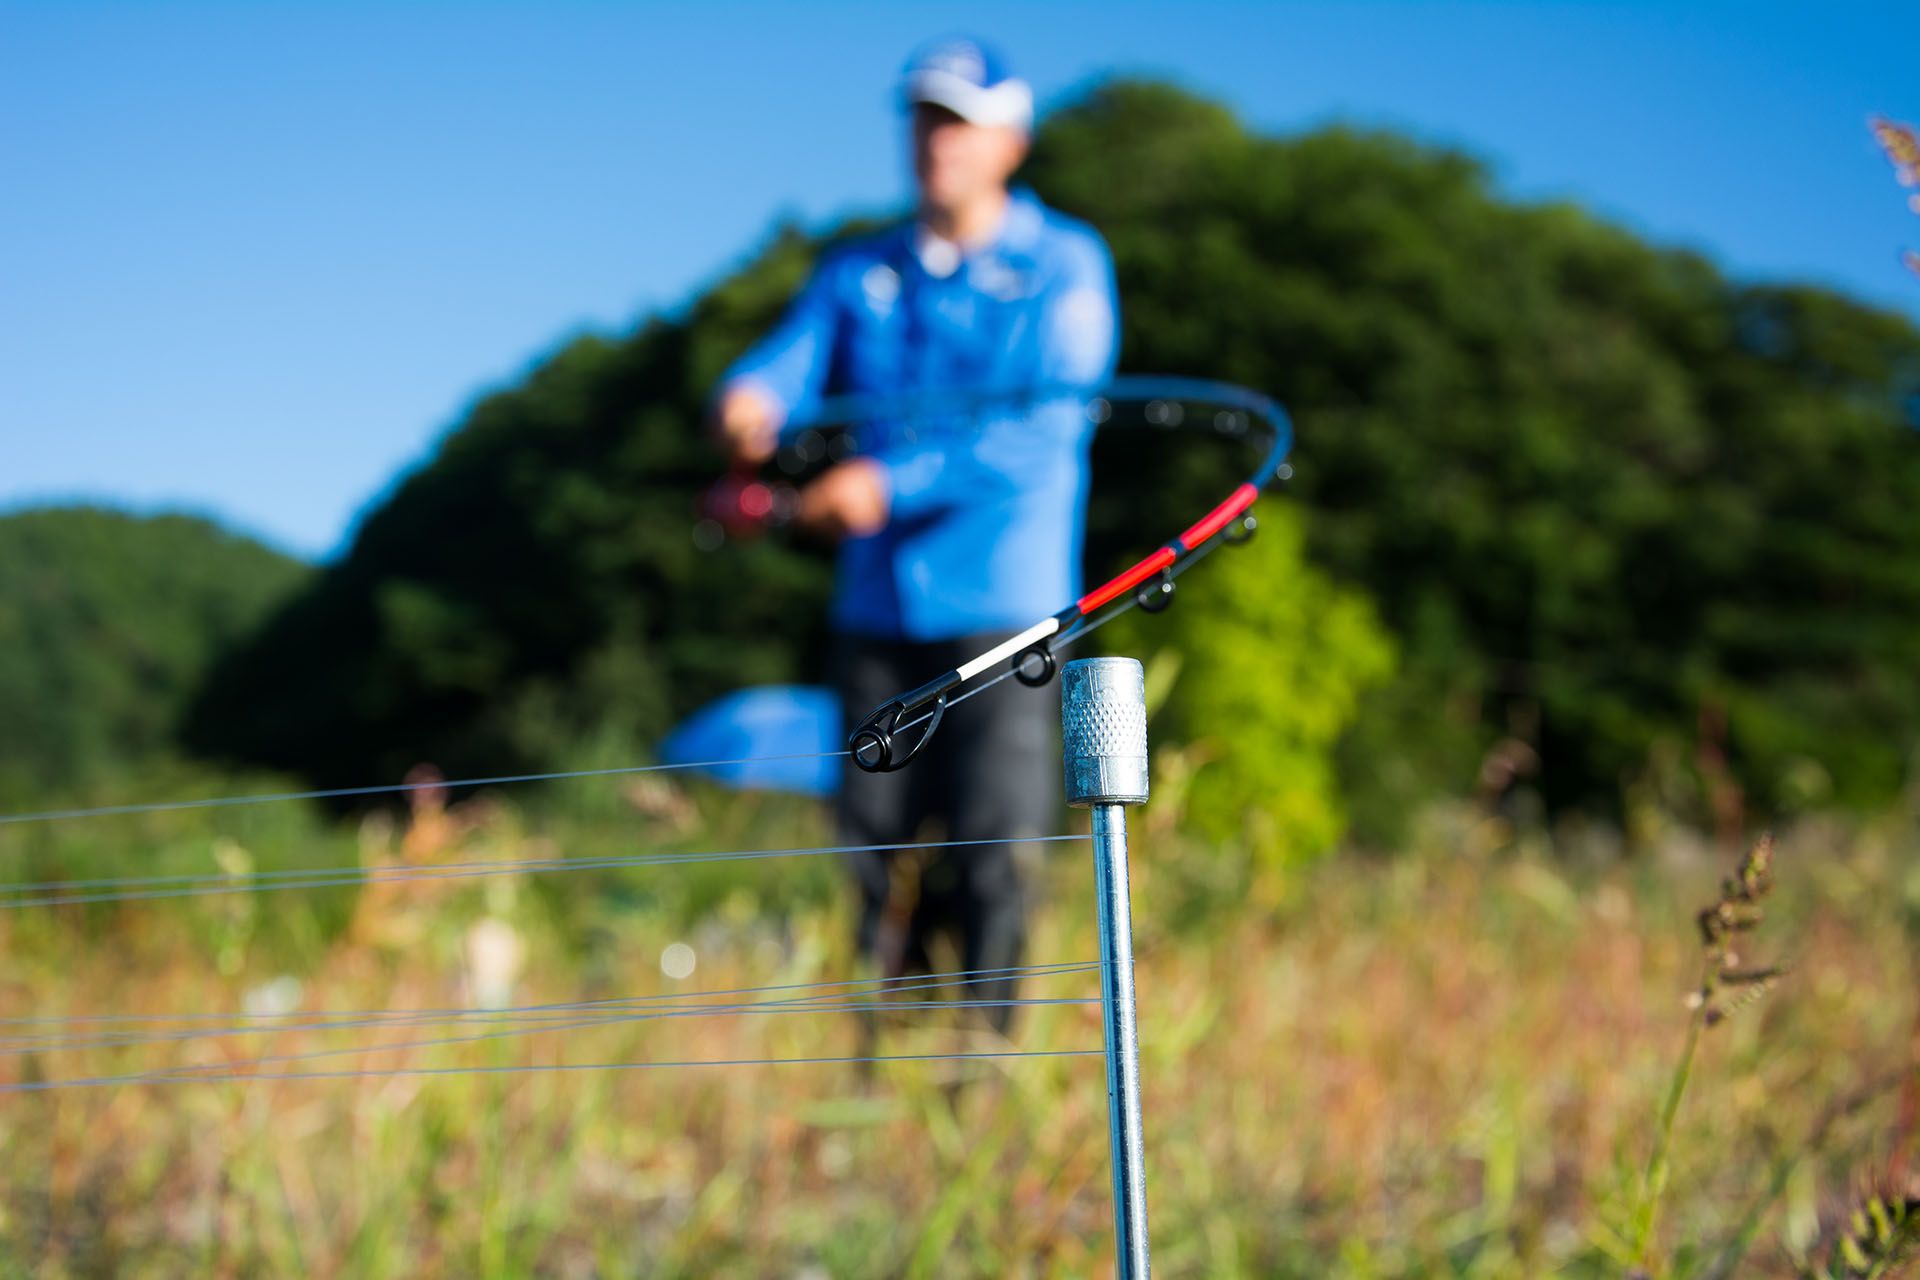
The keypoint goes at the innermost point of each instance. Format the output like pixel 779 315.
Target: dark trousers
pixel 992 772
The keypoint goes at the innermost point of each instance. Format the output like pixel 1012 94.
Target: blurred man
pixel 953 534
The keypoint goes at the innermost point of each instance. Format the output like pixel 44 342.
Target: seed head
pixel 1725 986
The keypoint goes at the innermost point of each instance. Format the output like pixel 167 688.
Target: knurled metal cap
pixel 1103 731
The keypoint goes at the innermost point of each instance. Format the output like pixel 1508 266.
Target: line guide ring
pixel 872 744
pixel 1035 679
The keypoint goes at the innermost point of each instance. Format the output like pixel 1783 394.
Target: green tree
pixel 1262 662
pixel 1593 488
pixel 108 623
pixel 535 582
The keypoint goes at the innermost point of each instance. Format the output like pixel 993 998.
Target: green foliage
pixel 1594 488
pixel 1600 495
pixel 1879 1239
pixel 108 622
pixel 536 581
pixel 1270 659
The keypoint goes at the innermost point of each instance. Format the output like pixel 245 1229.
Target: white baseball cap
pixel 969 79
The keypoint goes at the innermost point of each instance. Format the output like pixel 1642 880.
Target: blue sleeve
pixel 1081 341
pixel 1009 455
pixel 792 362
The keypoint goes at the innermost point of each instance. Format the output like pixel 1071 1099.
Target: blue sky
pixel 256 258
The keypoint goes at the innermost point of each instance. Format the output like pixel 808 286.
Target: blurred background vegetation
pixel 1605 503
pixel 1589 549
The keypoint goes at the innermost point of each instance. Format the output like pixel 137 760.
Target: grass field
pixel 1448 1062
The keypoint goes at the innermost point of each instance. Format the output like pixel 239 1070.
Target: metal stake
pixel 1104 739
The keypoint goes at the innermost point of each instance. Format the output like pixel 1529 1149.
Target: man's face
pixel 956 161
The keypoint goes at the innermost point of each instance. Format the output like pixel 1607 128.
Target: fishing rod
pixel 743 503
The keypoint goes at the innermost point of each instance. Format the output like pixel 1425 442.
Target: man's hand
pixel 848 501
pixel 746 422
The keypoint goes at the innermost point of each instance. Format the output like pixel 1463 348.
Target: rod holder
pixel 1103 731
pixel 1103 720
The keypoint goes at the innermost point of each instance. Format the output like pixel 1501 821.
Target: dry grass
pixel 1447 1063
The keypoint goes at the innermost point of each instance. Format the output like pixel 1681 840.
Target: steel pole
pixel 1104 741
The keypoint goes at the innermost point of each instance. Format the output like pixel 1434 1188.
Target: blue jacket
pixel 984 532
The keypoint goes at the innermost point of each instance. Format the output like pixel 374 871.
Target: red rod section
pixel 1218 518
pixel 1127 581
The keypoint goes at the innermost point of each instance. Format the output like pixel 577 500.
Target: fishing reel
pixel 740 505
pixel 746 501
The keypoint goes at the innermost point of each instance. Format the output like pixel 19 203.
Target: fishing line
pixel 93 1082
pixel 548 1017
pixel 1065 966
pixel 535 1026
pixel 340 877
pixel 770 1007
pixel 334 793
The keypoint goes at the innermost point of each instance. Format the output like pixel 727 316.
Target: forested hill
pixel 1610 502
pixel 109 623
